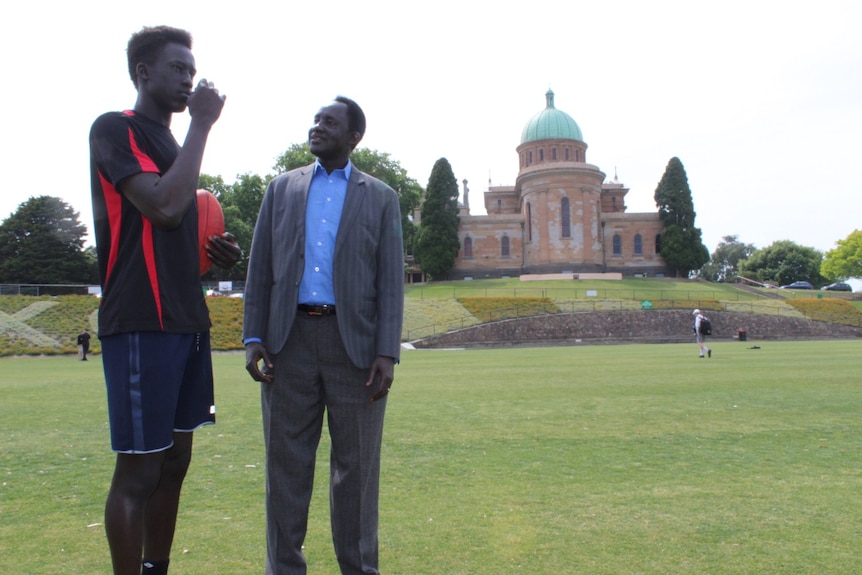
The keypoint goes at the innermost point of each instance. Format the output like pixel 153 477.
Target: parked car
pixel 838 286
pixel 798 285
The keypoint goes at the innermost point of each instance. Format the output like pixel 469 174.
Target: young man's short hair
pixel 145 45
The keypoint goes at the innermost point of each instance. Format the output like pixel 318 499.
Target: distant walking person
pixel 83 344
pixel 698 333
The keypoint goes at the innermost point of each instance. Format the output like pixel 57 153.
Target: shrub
pixel 828 309
pixel 496 308
pixel 226 317
pixel 703 305
pixel 46 325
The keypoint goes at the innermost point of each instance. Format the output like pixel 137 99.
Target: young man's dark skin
pixel 141 510
pixel 331 140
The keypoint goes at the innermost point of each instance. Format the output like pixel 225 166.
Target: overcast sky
pixel 760 100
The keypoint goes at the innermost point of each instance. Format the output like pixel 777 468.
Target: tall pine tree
pixel 681 246
pixel 437 241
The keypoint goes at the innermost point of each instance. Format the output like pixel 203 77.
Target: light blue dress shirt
pixel 322 216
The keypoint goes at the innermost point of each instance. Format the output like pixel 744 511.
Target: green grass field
pixel 629 459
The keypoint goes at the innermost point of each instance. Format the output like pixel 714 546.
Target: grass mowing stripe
pixel 598 459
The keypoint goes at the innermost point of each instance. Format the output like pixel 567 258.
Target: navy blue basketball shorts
pixel 158 384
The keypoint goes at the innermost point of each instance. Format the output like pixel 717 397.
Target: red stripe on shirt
pixel 147 164
pixel 114 208
pixel 152 271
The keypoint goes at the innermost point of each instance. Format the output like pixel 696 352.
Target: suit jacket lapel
pixel 353 200
pixel 294 219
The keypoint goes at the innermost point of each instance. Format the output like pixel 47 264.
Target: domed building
pixel 561 216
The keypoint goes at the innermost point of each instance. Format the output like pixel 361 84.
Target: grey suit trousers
pixel 313 375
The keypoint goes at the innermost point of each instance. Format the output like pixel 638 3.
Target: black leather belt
pixel 316 310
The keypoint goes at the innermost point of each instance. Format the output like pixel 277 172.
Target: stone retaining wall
pixel 657 326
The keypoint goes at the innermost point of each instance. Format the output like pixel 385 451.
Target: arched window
pixel 618 245
pixel 566 218
pixel 639 245
pixel 529 222
pixel 530 161
pixel 658 243
pixel 468 247
pixel 542 155
pixel 553 153
pixel 567 154
pixel 504 246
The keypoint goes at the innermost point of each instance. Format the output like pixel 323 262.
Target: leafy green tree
pixel 784 262
pixel 723 266
pixel 240 203
pixel 241 200
pixel 384 168
pixel 214 184
pixel 437 240
pixel 295 156
pixel 681 246
pixel 683 249
pixel 246 194
pixel 92 258
pixel 378 164
pixel 42 243
pixel 845 261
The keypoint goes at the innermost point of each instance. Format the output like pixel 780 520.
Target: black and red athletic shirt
pixel 149 275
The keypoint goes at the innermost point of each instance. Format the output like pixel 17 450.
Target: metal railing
pixel 456 292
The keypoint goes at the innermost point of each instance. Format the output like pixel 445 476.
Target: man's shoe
pixel 709 352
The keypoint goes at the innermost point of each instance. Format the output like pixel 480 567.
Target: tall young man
pixel 153 320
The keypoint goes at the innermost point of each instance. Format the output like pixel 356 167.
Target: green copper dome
pixel 551 124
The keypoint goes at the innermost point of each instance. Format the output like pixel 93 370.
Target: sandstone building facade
pixel 561 216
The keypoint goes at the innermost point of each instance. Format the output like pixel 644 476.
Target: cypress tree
pixel 437 240
pixel 681 246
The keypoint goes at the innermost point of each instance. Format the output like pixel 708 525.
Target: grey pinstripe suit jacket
pixel 368 266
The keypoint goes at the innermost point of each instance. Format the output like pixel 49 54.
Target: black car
pixel 798 285
pixel 838 286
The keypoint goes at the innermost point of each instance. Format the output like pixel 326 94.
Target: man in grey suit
pixel 323 312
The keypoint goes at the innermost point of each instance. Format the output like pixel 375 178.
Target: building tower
pixel 560 195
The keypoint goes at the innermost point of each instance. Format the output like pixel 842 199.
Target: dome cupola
pixel 551 124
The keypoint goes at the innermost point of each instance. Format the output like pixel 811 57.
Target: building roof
pixel 550 124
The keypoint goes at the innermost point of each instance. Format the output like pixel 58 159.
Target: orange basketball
pixel 210 223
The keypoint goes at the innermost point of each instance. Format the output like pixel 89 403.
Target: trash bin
pixel 742 335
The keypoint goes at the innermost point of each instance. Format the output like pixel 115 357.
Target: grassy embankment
pixel 49 326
